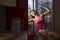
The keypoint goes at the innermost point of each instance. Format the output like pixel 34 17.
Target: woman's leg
pixel 53 34
pixel 44 35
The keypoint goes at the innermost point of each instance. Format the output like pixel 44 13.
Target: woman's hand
pixel 47 10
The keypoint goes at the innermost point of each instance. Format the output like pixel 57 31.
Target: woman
pixel 40 22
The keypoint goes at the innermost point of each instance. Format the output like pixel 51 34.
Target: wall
pixel 57 15
pixel 4 12
pixel 2 18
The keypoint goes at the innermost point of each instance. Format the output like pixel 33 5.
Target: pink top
pixel 40 22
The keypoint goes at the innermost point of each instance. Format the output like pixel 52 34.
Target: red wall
pixel 21 10
pixel 24 17
pixel 11 13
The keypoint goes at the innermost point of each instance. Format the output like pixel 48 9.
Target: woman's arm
pixel 46 12
pixel 30 20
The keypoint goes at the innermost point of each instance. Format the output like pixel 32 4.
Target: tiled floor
pixel 15 36
pixel 23 37
pixel 9 36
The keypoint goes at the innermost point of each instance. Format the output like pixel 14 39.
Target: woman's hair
pixel 36 13
pixel 33 11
